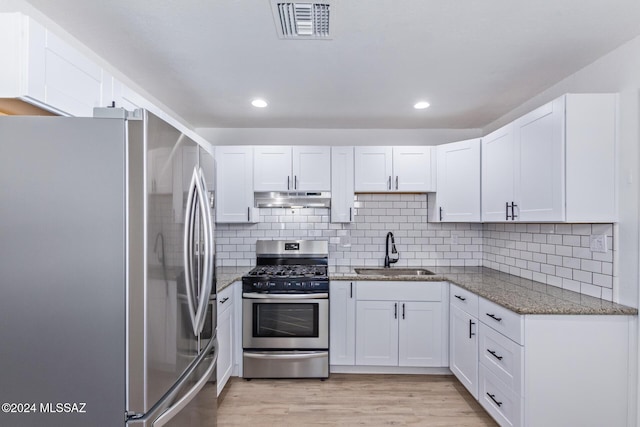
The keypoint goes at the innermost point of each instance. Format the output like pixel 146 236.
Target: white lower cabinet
pixel 342 323
pixel 541 370
pixel 226 336
pixel 401 324
pixel 463 348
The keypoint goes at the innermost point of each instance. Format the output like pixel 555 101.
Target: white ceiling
pixel 473 60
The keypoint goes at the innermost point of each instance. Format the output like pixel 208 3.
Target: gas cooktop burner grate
pixel 289 271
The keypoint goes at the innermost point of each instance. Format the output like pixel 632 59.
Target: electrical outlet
pixel 598 242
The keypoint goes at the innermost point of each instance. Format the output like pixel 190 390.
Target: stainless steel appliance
pixel 107 263
pixel 285 306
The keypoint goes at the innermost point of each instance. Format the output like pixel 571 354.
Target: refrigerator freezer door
pixel 170 241
pixel 62 306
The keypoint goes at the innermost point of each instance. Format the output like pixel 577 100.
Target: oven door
pixel 285 321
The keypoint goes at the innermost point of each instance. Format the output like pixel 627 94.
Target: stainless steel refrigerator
pixel 107 265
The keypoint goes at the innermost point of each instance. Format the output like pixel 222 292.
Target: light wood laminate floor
pixel 351 400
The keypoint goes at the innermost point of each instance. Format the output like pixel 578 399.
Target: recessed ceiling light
pixel 260 103
pixel 421 105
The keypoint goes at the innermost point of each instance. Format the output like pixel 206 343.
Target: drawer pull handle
pixel 471 333
pixel 460 298
pixel 493 353
pixel 223 300
pixel 494 317
pixel 493 397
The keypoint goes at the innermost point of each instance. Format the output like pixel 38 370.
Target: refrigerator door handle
pixel 189 226
pixel 207 271
pixel 167 415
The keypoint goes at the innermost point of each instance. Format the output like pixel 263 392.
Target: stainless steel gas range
pixel 285 306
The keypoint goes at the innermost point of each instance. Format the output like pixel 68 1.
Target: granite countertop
pixel 520 295
pixel 225 276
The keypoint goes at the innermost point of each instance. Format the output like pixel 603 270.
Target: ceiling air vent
pixel 302 21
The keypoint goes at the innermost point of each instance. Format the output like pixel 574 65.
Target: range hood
pixel 293 199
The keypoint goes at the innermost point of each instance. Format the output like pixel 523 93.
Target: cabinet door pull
pixel 389 184
pixel 223 300
pixel 396 182
pixel 295 182
pixel 471 323
pixel 493 353
pixel 513 211
pixel 440 213
pixel 395 310
pixel 493 397
pixel 351 291
pixel 506 211
pixel 460 298
pixel 494 317
pixel 288 182
pixel 350 214
pixel 248 213
pixel 403 310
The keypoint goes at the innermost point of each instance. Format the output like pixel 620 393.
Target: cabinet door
pixel 458 193
pixel 373 168
pixel 72 83
pixel 272 168
pixel 234 184
pixel 463 348
pixel 342 184
pixel 412 169
pixel 312 168
pixel 497 174
pixel 539 178
pixel 377 333
pixel 420 334
pixel 342 306
pixel 225 335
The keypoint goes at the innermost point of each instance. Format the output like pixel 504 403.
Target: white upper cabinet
pixel 387 169
pixel 43 70
pixel 539 174
pixel 272 168
pixel 286 168
pixel 312 168
pixel 457 198
pixel 413 169
pixel 234 184
pixel 497 174
pixel 554 164
pixel 342 191
pixel 373 168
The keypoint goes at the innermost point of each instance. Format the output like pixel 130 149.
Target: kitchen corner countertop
pixel 225 276
pixel 520 295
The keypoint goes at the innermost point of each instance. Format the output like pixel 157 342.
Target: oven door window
pixel 285 320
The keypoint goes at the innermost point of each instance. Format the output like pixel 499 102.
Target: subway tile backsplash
pixel 556 254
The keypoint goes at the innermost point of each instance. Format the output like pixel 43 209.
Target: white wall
pixel 618 71
pixel 291 136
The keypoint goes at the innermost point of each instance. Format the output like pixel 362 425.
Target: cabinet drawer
pixel 225 299
pixel 399 291
pixel 503 405
pixel 503 357
pixel 502 320
pixel 464 300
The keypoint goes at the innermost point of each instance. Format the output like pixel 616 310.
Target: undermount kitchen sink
pixel 394 271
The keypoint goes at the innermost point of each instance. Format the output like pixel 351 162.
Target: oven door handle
pixel 268 355
pixel 253 295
